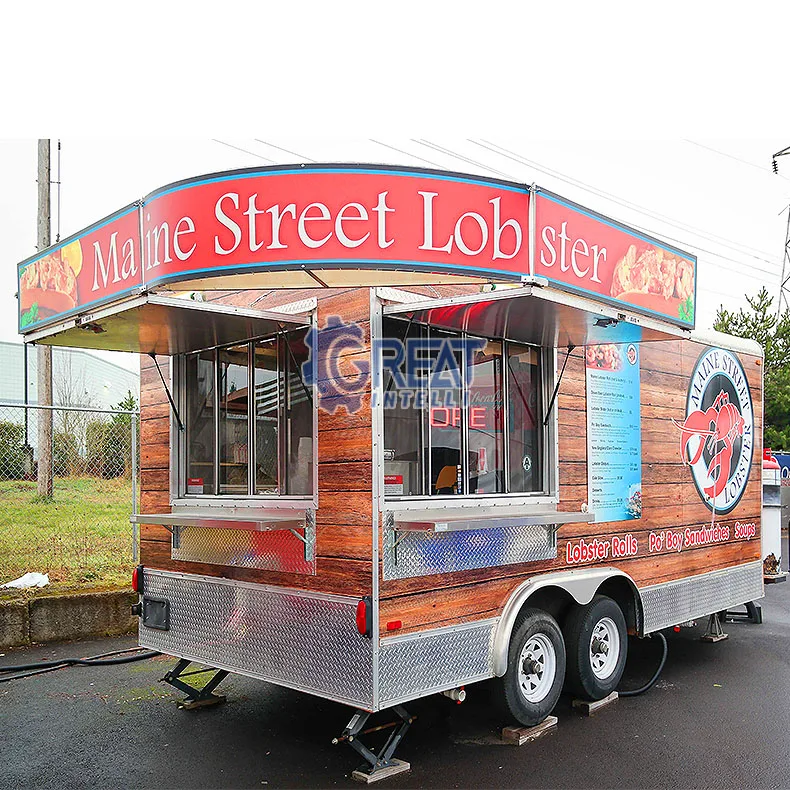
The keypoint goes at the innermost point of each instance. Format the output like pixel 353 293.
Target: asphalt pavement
pixel 718 717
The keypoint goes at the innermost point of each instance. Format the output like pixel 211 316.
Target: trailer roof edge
pixel 743 345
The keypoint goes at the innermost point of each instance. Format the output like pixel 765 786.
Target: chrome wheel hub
pixel 604 648
pixel 537 668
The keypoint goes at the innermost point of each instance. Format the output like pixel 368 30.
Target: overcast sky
pixel 662 116
pixel 717 198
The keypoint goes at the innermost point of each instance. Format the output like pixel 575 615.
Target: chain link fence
pixel 76 529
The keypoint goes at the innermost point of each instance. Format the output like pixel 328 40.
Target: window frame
pixel 178 438
pixel 549 493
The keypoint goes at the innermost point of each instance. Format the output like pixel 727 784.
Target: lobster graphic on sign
pixel 718 426
pixel 716 437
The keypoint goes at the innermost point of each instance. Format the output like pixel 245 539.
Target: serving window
pixel 249 420
pixel 462 414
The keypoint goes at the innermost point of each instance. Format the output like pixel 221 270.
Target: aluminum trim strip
pixel 430 632
pixel 669 603
pixel 319 596
pixel 200 504
pixel 377 493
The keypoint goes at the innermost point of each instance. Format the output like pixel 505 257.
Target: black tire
pixel 531 696
pixel 589 676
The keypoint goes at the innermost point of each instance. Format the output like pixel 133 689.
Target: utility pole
pixel 45 443
pixel 783 282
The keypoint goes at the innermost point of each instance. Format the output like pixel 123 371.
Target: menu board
pixel 614 441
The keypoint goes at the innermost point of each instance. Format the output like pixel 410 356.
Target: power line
pixel 406 153
pixel 736 158
pixel 622 201
pixel 464 159
pixel 285 150
pixel 657 234
pixel 244 150
pixel 685 243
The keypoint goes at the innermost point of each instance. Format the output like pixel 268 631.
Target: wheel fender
pixel 581 585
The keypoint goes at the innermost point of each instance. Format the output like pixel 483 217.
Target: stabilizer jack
pixel 381 765
pixel 196 697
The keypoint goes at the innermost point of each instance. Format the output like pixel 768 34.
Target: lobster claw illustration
pixel 720 424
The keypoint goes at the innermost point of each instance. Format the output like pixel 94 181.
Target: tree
pixel 109 442
pixel 12 453
pixel 772 331
pixel 70 388
pixel 122 429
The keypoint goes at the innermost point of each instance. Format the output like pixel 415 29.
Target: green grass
pixel 81 538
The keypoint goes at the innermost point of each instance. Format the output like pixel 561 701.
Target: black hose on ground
pixel 650 683
pixel 103 659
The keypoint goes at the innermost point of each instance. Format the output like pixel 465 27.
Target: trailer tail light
pixel 137 579
pixel 365 616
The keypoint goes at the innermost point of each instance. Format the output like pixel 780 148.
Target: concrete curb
pixel 55 618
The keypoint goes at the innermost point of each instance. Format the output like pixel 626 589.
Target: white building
pixel 79 378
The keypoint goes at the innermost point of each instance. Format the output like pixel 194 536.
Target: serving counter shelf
pixel 413 521
pixel 251 524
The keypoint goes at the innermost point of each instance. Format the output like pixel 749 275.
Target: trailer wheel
pixel 596 643
pixel 535 672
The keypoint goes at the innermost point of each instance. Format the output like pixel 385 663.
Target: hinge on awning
pixel 167 392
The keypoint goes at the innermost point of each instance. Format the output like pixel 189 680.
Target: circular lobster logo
pixel 717 436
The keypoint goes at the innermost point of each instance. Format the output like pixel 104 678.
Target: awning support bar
pixel 298 367
pixel 167 392
pixel 559 381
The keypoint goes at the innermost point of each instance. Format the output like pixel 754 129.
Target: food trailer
pixel 403 430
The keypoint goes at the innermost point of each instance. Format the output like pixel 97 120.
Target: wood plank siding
pixel 345 515
pixel 669 498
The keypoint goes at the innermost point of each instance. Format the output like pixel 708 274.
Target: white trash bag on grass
pixel 32 579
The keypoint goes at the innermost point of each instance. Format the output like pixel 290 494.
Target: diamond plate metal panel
pixel 675 602
pixel 432 661
pixel 426 553
pixel 278 550
pixel 304 641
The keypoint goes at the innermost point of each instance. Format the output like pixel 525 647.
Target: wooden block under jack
pixel 714 637
pixel 214 699
pixel 518 736
pixel 587 708
pixel 368 775
pixel 714 632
